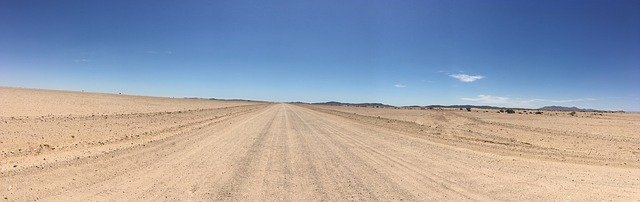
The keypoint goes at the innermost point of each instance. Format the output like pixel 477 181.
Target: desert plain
pixel 62 146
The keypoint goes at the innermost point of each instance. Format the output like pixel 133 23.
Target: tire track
pixel 246 165
pixel 308 171
pixel 348 182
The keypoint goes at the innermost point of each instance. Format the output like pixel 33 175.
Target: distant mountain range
pixel 381 105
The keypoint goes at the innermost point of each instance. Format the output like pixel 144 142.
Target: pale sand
pixel 260 151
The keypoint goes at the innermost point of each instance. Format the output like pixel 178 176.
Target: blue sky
pixel 501 53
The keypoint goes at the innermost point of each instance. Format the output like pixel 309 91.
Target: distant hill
pixel 219 99
pixel 561 108
pixel 334 103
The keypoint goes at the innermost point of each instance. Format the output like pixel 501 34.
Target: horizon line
pixel 316 102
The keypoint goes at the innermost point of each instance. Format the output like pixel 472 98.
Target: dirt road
pixel 290 152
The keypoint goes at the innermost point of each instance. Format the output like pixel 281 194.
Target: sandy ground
pixel 589 138
pixel 258 151
pixel 18 102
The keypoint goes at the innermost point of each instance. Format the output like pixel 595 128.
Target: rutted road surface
pixel 289 152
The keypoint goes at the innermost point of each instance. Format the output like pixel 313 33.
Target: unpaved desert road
pixel 289 152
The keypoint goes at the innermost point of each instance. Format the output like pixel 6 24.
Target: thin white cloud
pixel 572 100
pixel 83 60
pixel 489 99
pixel 153 52
pixel 466 78
pixel 400 86
pixel 557 101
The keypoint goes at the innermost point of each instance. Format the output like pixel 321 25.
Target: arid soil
pixel 18 102
pixel 588 138
pixel 100 147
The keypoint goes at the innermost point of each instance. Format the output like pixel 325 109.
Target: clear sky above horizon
pixel 511 53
